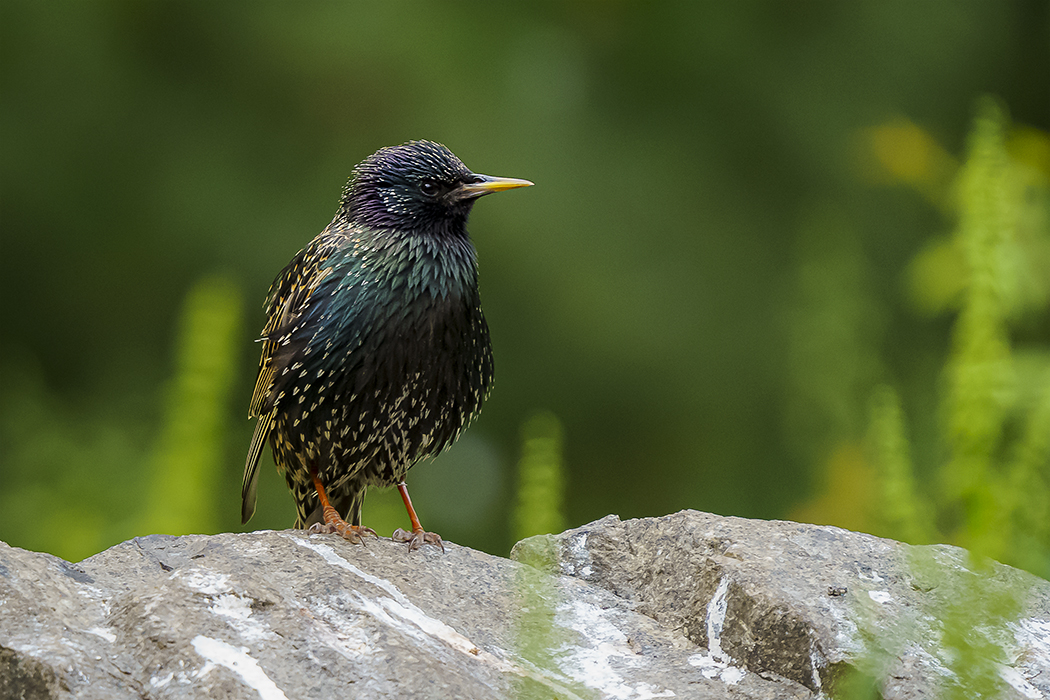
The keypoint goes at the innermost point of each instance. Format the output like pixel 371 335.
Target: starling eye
pixel 429 188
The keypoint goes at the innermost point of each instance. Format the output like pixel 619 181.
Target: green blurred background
pixel 739 285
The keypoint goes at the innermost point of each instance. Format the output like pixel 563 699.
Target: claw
pixel 417 538
pixel 351 533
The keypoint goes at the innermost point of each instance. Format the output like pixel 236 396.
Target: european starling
pixel 376 353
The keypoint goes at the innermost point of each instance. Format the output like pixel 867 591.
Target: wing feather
pixel 286 305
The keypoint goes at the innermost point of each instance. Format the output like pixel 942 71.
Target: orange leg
pixel 333 522
pixel 418 536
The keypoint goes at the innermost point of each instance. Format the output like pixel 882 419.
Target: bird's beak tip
pixel 487 184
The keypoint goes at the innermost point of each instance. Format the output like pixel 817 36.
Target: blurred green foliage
pixel 540 489
pixel 992 491
pixel 187 459
pixel 739 233
pixel 994 481
pixel 972 610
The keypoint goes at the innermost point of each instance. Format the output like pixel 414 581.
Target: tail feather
pixel 251 466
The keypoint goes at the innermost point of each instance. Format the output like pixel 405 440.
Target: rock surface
pixel 688 606
pixel 819 605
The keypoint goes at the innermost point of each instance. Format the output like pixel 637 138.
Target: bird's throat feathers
pixel 404 266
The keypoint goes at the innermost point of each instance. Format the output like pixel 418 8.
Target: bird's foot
pixel 333 522
pixel 417 538
pixel 351 533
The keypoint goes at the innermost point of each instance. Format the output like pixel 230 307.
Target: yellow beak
pixel 486 184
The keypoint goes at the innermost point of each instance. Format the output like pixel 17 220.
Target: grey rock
pixel 277 615
pixel 819 605
pixel 687 606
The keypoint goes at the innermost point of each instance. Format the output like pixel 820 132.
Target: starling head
pixel 417 186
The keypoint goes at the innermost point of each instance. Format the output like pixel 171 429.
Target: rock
pixel 818 605
pixel 688 606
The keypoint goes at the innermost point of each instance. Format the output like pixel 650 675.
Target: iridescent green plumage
pixel 376 353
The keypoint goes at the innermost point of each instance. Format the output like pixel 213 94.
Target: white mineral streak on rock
pixel 206 582
pixel 346 636
pixel 398 605
pixel 1019 683
pixel 398 612
pixel 865 576
pixel 880 596
pixel 1034 635
pixel 158 682
pixel 1033 644
pixel 578 559
pixel 104 632
pixel 329 555
pixel 815 664
pixel 716 663
pixel 219 653
pixel 592 663
pixel 237 611
pixel 716 619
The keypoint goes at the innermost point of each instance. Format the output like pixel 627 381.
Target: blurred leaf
pixel 906 153
pixel 903 513
pixel 541 482
pixel 845 497
pixel 185 463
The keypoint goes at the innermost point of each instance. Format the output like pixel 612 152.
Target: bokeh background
pixel 740 284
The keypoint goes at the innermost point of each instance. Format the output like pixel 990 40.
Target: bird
pixel 375 352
